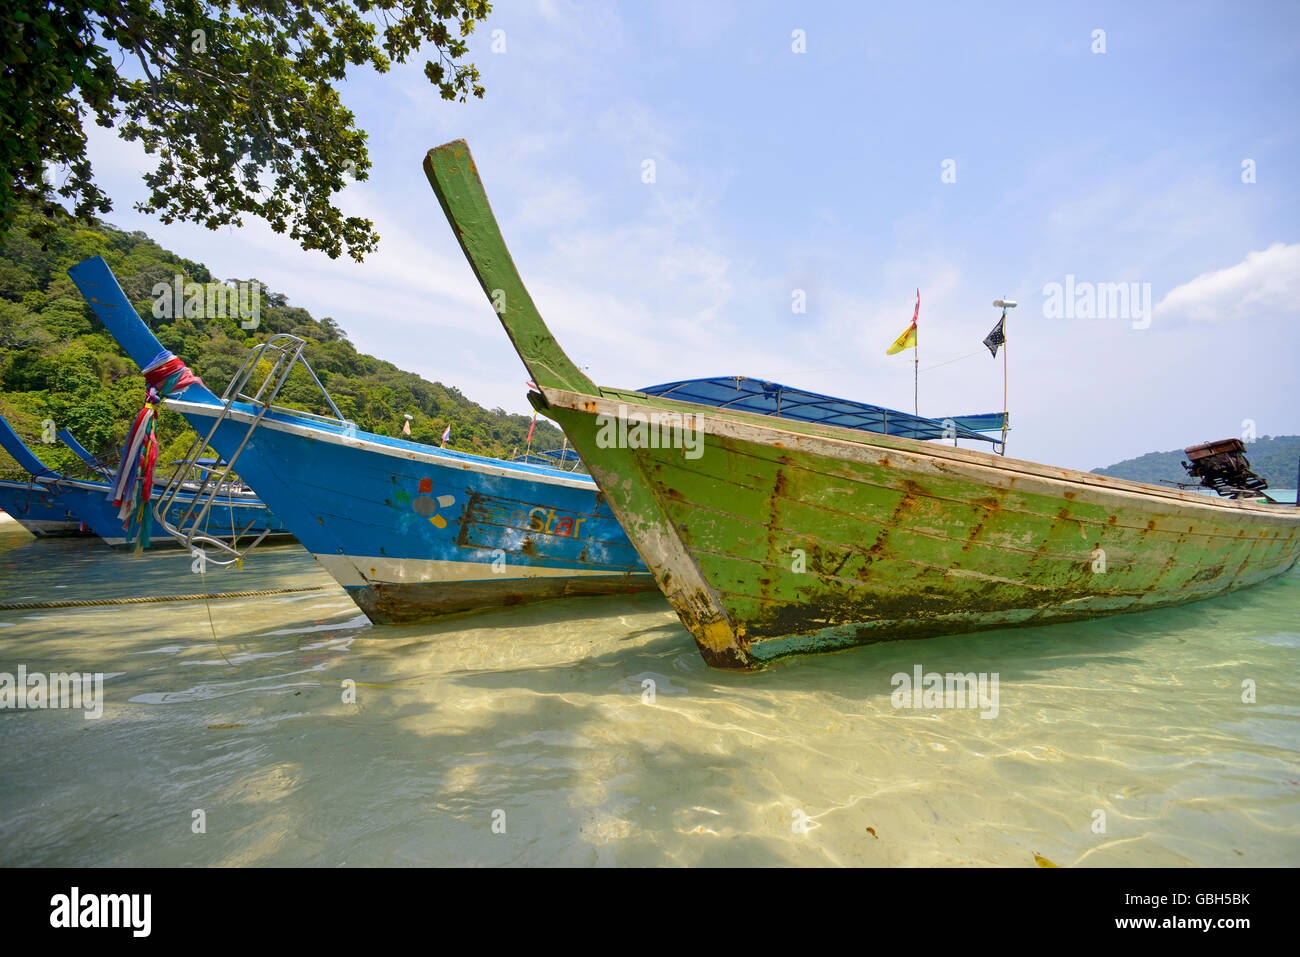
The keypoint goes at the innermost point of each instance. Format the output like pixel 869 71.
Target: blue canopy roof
pixel 988 422
pixel 771 398
pixel 1281 496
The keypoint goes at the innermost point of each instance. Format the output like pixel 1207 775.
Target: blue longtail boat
pixel 411 531
pixel 38 510
pixel 87 504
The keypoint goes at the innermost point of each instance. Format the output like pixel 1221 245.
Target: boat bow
pixel 785 537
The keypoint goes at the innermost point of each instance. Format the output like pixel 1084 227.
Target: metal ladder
pixel 209 488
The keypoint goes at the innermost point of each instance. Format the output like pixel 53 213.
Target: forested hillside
pixel 1273 457
pixel 57 364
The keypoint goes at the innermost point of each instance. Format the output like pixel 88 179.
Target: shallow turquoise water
pixel 537 720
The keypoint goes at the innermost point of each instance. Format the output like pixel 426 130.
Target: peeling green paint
pixel 896 538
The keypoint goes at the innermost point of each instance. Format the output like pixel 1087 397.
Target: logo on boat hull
pixel 425 504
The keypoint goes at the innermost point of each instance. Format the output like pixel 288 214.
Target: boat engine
pixel 1223 466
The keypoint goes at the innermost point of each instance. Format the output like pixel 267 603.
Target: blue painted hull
pixel 88 509
pixel 411 531
pixel 87 503
pixel 40 511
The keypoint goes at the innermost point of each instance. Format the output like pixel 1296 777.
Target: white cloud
pixel 1266 284
pixel 557 203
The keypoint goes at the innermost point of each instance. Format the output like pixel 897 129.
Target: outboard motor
pixel 1223 466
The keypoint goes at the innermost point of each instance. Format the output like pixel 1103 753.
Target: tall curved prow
pixel 24 456
pixel 571 399
pixel 455 180
pixel 96 282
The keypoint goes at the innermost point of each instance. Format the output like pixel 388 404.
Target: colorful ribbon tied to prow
pixel 132 489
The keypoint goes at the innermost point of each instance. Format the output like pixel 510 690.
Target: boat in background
pixel 89 502
pixel 38 510
pixel 564 458
pixel 411 531
pixel 785 537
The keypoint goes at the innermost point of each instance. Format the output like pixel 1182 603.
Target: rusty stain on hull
pixel 895 555
pixel 903 538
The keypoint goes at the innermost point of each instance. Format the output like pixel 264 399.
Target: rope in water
pixel 22 606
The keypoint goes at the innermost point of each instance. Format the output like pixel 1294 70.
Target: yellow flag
pixel 908 339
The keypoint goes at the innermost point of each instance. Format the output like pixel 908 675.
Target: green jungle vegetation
pixel 1274 458
pixel 58 364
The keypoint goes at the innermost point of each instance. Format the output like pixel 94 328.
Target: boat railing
pixel 199 489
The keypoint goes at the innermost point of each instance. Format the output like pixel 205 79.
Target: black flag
pixel 998 336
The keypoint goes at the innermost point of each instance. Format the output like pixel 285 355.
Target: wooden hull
pixel 778 541
pixel 772 537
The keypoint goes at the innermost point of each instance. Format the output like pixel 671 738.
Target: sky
pixel 971 151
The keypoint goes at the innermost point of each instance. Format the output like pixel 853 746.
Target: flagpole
pixel 916 361
pixel 1004 305
pixel 1004 389
pixel 899 345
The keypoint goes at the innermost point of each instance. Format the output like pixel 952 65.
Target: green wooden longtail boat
pixel 774 537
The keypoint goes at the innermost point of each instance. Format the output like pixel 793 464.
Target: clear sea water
pixel 528 736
